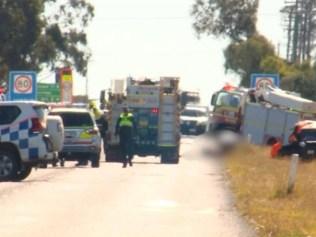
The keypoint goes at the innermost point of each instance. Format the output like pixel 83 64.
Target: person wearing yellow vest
pixel 96 112
pixel 124 128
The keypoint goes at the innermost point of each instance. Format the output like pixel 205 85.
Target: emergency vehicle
pixel 273 117
pixel 228 108
pixel 189 97
pixel 156 109
pixel 302 141
pixel 25 140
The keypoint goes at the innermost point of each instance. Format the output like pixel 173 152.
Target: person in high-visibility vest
pixel 124 128
pixel 96 112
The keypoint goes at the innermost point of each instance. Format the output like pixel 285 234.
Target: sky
pixel 155 38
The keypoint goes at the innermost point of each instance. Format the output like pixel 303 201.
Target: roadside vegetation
pixel 260 185
pixel 37 35
pixel 248 50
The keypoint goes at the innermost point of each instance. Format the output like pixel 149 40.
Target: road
pixel 148 199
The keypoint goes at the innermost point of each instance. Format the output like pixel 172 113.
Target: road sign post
pixel 66 85
pixel 22 85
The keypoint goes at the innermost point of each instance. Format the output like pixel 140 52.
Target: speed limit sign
pixel 263 81
pixel 22 85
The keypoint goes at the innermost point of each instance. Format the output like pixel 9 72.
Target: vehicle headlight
pixel 302 144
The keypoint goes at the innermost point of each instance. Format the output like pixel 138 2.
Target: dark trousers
pixel 127 152
pixel 104 143
pixel 126 144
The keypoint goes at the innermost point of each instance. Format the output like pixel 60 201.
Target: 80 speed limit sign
pixel 263 81
pixel 22 85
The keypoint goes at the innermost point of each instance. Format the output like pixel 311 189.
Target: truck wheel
pixel 8 165
pixel 22 173
pixel 170 156
pixel 95 160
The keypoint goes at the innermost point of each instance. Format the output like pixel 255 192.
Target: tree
pixel 235 19
pixel 40 33
pixel 300 78
pixel 244 58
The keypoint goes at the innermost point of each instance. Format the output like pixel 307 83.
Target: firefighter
pixel 124 128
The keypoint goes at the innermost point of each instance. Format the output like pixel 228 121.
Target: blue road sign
pixel 263 80
pixel 22 85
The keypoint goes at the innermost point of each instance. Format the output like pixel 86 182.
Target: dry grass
pixel 260 184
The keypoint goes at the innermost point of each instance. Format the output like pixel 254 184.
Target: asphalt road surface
pixel 146 200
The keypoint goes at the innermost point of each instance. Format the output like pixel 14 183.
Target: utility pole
pixel 300 25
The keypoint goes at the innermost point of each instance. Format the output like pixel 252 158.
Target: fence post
pixel 292 173
pixel 249 138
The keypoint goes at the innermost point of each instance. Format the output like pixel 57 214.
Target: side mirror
pixel 213 101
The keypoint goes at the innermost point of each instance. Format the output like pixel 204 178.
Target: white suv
pixel 24 142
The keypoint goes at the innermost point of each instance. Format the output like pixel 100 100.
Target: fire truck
pixel 264 116
pixel 156 109
pixel 273 117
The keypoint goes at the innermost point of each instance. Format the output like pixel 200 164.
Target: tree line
pixel 249 51
pixel 37 34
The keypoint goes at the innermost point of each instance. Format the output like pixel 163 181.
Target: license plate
pixel 192 130
pixel 70 134
pixel 310 152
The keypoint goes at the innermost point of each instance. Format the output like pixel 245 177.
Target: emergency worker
pixel 83 161
pixel 101 120
pixel 124 128
pixel 96 112
pixel 102 123
pixel 294 140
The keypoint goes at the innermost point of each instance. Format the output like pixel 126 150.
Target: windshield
pixel 193 113
pixel 228 99
pixel 76 119
pixel 308 135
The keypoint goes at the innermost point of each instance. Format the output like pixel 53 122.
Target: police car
pixel 82 140
pixel 24 141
